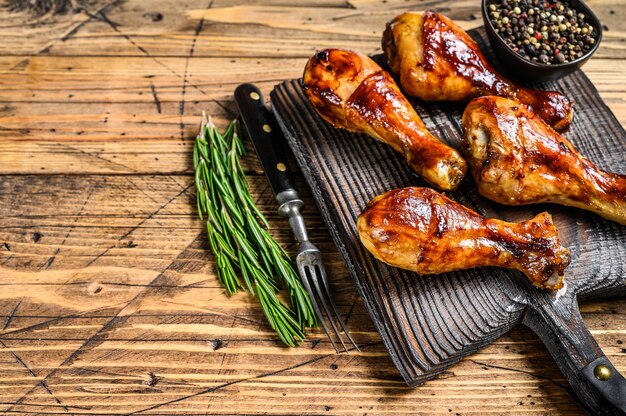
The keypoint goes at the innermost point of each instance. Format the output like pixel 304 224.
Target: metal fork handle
pixel 290 206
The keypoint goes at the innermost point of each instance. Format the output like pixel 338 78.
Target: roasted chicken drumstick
pixel 437 61
pixel 351 91
pixel 421 230
pixel 517 159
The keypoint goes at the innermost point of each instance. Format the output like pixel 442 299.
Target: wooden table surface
pixel 109 301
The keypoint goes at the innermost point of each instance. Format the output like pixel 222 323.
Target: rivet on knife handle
pixel 266 137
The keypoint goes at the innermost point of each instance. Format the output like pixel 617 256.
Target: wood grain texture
pixel 109 303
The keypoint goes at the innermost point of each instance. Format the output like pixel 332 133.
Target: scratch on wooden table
pixel 139 224
pixel 9 318
pixel 181 106
pixel 349 314
pixel 32 373
pixel 143 50
pixel 115 166
pixel 151 376
pixel 134 340
pixel 139 189
pixel 49 262
pixel 68 34
pixel 243 380
pixel 50 321
pixel 74 30
pixel 217 344
pixel 235 317
pixel 37 405
pixel 98 337
pixel 530 373
pixel 155 97
pixel 104 282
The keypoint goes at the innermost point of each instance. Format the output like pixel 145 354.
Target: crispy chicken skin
pixel 351 91
pixel 517 159
pixel 421 230
pixel 437 61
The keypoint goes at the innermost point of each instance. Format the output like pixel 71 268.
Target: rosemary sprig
pixel 245 253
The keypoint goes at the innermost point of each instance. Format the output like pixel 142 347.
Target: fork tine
pixel 306 274
pixel 324 280
pixel 321 292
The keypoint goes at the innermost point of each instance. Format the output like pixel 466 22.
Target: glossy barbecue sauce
pixel 457 48
pixel 350 91
pixel 422 230
pixel 322 82
pixel 544 147
pixel 321 87
pixel 387 111
pixel 444 41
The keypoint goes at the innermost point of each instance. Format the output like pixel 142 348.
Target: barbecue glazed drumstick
pixel 421 230
pixel 351 91
pixel 437 61
pixel 517 159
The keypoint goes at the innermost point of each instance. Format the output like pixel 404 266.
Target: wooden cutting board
pixel 431 322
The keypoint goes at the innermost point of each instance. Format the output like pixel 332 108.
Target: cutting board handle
pixel 595 382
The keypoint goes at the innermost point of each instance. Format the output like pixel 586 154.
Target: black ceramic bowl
pixel 533 71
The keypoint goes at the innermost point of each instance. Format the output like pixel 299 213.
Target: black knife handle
pixel 594 381
pixel 269 142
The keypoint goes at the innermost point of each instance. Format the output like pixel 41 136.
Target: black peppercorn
pixel 547 31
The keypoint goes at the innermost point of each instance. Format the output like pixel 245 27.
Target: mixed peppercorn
pixel 544 31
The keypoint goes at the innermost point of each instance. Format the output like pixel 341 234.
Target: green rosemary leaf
pixel 245 271
pixel 241 150
pixel 229 134
pixel 257 213
pixel 195 155
pixel 202 147
pixel 238 236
